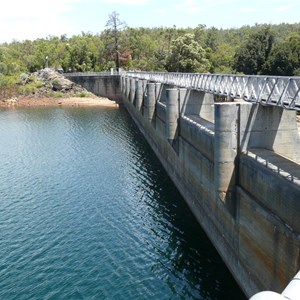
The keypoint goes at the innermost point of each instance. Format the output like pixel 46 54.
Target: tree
pixel 212 38
pixel 187 56
pixel 254 52
pixel 115 24
pixel 269 49
pixel 284 60
pixel 200 33
pixel 222 59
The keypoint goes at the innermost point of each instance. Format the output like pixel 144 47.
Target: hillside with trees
pixel 260 49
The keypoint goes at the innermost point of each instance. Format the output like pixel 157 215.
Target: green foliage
pixel 222 59
pixel 31 87
pixel 284 60
pixel 39 84
pixel 254 52
pixel 82 95
pixel 270 49
pixel 56 82
pixel 27 89
pixel 187 56
pixel 58 95
pixel 8 86
pixel 50 94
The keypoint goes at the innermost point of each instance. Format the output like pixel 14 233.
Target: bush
pixel 39 84
pixel 28 89
pixel 8 86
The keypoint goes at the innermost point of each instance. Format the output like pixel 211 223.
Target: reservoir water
pixel 87 212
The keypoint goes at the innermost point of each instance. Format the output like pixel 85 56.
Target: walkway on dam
pixel 266 90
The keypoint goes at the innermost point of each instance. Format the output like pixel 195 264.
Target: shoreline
pixel 64 101
pixel 68 102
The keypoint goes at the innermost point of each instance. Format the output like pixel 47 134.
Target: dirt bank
pixel 64 101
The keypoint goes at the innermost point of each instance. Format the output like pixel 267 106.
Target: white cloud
pixel 264 10
pixel 34 8
pixel 161 11
pixel 282 8
pixel 190 6
pixel 218 2
pixel 31 19
pixel 249 10
pixel 127 2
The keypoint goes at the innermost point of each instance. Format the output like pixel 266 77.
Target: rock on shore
pixel 49 83
pixel 48 87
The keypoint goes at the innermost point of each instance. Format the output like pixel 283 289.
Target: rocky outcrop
pixel 48 83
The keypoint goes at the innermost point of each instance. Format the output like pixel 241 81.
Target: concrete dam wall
pixel 236 165
pixel 101 85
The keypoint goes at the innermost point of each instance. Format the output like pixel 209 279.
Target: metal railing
pixel 266 90
pixel 107 73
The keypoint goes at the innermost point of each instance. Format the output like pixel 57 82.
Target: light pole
pixel 47 62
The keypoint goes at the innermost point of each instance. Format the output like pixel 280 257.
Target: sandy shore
pixel 72 101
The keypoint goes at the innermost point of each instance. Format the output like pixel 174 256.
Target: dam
pixel 235 163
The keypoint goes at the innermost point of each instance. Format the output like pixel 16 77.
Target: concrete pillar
pixel 145 82
pixel 123 85
pixel 182 96
pixel 158 90
pixel 149 102
pixel 225 151
pixel 127 88
pixel 172 114
pixel 132 90
pixel 139 94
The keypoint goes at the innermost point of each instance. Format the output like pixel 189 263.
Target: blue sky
pixel 31 19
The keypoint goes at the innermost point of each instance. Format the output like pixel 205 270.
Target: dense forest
pixel 260 49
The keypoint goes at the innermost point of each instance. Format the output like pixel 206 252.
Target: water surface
pixel 87 212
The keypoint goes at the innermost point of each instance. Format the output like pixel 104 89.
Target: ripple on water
pixel 87 212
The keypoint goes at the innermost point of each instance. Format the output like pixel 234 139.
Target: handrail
pixel 75 74
pixel 266 90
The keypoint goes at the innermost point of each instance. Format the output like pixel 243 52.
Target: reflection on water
pixel 87 212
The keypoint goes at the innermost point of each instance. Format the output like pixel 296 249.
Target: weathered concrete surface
pixel 270 128
pixel 230 164
pixel 104 86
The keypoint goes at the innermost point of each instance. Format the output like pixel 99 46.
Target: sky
pixel 32 19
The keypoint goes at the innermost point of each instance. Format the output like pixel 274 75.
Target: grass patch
pixel 81 95
pixel 50 94
pixel 58 95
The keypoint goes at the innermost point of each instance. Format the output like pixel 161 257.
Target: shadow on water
pixel 189 254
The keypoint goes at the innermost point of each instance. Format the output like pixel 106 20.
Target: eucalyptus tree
pixel 187 56
pixel 284 59
pixel 115 25
pixel 254 52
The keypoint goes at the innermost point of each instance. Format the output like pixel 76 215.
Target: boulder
pixel 62 84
